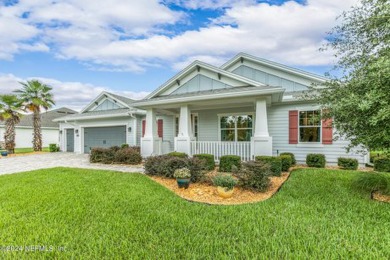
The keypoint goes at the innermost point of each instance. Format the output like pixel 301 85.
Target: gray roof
pixel 46 117
pixel 125 100
pixel 111 112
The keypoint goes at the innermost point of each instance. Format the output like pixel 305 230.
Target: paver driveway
pixel 49 160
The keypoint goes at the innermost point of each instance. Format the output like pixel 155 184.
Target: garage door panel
pixel 103 137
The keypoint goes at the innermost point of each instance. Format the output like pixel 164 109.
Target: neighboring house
pixel 248 106
pixel 109 120
pixel 50 130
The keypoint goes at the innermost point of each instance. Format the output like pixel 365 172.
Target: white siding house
pixel 248 107
pixel 49 129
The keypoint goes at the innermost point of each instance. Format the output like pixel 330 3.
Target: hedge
pixel 254 175
pixel 274 162
pixel 178 154
pixel 286 162
pixel 347 163
pixel 382 164
pixel 316 160
pixel 209 160
pixel 294 162
pixel 227 161
pixel 115 154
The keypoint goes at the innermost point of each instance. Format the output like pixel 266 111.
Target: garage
pixel 103 137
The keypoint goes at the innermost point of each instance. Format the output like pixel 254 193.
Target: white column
pixel 261 124
pixel 183 140
pixel 261 141
pixel 150 142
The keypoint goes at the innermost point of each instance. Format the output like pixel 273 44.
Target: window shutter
pixel 160 128
pixel 293 126
pixel 143 127
pixel 327 131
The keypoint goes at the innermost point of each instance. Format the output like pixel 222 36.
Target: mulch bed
pixel 207 193
pixel 380 197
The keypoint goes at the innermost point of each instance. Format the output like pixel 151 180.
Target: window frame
pixel 319 126
pixel 235 125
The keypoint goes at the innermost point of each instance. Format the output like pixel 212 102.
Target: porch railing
pixel 218 149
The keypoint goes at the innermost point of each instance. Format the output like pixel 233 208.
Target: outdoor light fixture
pixel 60 132
pixel 129 129
pixel 76 131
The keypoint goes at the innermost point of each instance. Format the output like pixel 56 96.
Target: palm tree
pixel 35 96
pixel 10 107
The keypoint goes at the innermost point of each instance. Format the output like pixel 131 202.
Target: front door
pixel 70 140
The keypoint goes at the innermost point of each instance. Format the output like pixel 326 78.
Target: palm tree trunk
pixel 37 141
pixel 9 135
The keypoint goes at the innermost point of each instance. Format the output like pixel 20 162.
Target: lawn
pixel 91 214
pixel 30 150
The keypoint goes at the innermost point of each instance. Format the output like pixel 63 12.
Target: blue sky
pixel 130 47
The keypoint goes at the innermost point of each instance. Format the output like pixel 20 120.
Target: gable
pixel 106 105
pixel 200 83
pixel 279 80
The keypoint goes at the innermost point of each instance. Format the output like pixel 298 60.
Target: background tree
pixel 359 99
pixel 35 96
pixel 10 107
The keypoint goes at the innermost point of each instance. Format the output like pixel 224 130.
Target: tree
pixel 10 107
pixel 358 99
pixel 35 96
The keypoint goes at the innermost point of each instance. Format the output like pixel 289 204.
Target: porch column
pixel 183 140
pixel 150 142
pixel 261 141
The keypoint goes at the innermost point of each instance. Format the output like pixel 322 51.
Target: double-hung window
pixel 310 126
pixel 236 128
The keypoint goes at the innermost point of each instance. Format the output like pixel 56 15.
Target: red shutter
pixel 143 127
pixel 160 128
pixel 293 126
pixel 327 131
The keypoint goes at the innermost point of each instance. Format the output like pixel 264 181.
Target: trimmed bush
pixel 178 154
pixel 154 164
pixel 102 155
pixel 128 156
pixel 286 162
pixel 254 175
pixel 198 169
pixel 347 163
pixel 226 162
pixel 124 146
pixel 224 180
pixel 274 162
pixel 382 164
pixel 316 160
pixel 293 161
pixel 54 148
pixel 209 160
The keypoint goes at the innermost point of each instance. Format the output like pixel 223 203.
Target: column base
pixel 150 146
pixel 261 145
pixel 183 144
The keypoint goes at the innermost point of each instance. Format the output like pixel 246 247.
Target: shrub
pixel 286 162
pixel 209 160
pixel 347 163
pixel 182 173
pixel 164 165
pixel 136 148
pixel 224 180
pixel 254 175
pixel 198 169
pixel 226 162
pixel 294 162
pixel 371 182
pixel 114 148
pixel 274 162
pixel 124 146
pixel 102 155
pixel 54 148
pixel 382 164
pixel 178 154
pixel 375 154
pixel 315 160
pixel 128 156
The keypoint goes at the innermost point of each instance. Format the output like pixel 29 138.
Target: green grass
pixel 95 214
pixel 30 150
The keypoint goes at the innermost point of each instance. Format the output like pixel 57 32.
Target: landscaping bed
pixel 206 192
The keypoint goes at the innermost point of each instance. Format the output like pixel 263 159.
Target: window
pixel 310 126
pixel 236 128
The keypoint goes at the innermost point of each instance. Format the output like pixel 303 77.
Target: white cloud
pixel 74 95
pixel 123 35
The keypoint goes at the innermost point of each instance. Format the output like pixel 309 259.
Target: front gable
pixel 105 101
pixel 106 105
pixel 272 73
pixel 200 77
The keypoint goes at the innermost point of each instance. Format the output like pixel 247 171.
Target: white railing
pixel 218 149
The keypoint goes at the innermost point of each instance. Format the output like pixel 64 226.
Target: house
pixel 108 120
pixel 247 107
pixel 50 130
